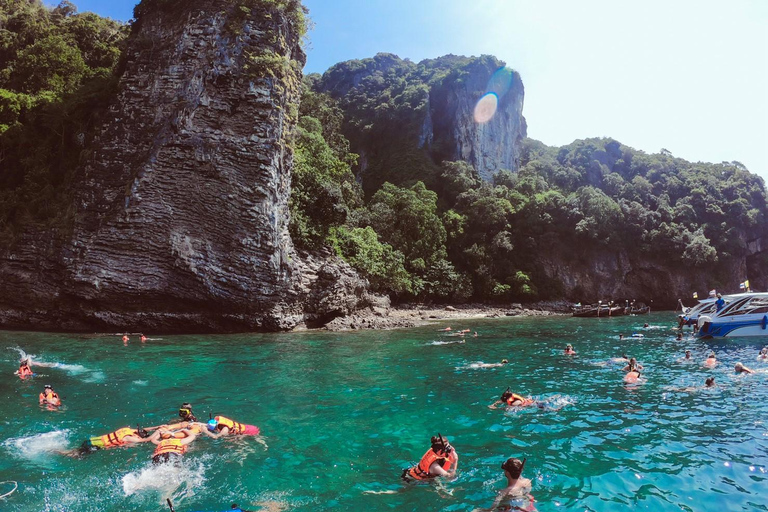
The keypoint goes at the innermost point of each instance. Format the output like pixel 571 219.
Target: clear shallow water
pixel 343 413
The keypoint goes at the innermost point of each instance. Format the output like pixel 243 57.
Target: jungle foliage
pixel 57 73
pixel 448 233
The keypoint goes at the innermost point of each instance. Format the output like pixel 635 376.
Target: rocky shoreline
pixel 413 315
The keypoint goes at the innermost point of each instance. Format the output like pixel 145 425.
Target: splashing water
pixel 36 446
pixel 169 479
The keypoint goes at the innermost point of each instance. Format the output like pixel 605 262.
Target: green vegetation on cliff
pixel 57 76
pixel 459 236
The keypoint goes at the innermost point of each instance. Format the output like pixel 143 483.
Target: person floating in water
pixel 510 399
pixel 763 353
pixel 679 336
pixel 517 494
pixel 441 460
pixel 687 356
pixel 125 436
pixel 488 365
pixel 143 338
pixel 24 370
pixel 126 339
pixel 221 426
pixel 711 360
pixel 740 368
pixel 621 337
pixel 185 415
pixel 49 397
pixel 632 366
pixel 569 350
pixel 709 383
pixel 170 446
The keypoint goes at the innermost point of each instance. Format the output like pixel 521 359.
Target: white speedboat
pixel 746 315
pixel 690 316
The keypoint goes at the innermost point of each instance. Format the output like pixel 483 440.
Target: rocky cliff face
pixel 489 145
pixel 424 114
pixel 182 212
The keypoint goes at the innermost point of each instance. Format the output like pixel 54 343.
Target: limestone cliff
pixel 181 204
pixel 405 118
pixel 491 145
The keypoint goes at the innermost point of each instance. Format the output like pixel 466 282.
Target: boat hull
pixel 731 328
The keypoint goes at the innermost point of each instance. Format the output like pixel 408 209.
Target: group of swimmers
pixel 441 459
pixel 171 439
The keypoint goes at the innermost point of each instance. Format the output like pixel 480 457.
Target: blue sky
pixel 690 76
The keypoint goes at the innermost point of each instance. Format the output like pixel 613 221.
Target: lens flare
pixel 486 108
pixel 501 81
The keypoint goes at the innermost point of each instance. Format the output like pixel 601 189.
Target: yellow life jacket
pixel 171 445
pixel 116 437
pixel 233 426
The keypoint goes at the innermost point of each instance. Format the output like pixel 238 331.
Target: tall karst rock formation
pixel 404 117
pixel 182 204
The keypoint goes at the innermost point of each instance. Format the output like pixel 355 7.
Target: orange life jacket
pixel 52 398
pixel 116 437
pixel 515 397
pixel 233 426
pixel 421 472
pixel 171 445
pixel 25 371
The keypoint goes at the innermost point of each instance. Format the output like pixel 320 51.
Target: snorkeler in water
pixel 170 447
pixel 125 436
pixel 49 397
pixel 510 399
pixel 222 426
pixel 440 460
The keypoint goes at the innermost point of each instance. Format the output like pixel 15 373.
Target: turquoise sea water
pixel 343 413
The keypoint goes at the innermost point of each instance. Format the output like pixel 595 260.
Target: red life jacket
pixel 421 472
pixel 515 397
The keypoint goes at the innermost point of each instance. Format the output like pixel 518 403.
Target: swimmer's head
pixel 513 466
pixel 441 444
pixel 24 362
pixel 185 411
pixel 710 382
pixel 568 346
pixel 48 386
pixel 739 367
pixel 719 295
pixel 506 395
pixel 212 424
pixel 712 354
pixel 143 433
pixel 504 361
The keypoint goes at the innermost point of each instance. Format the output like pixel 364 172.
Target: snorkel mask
pixel 439 444
pixel 185 412
pixel 143 433
pixel 212 424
